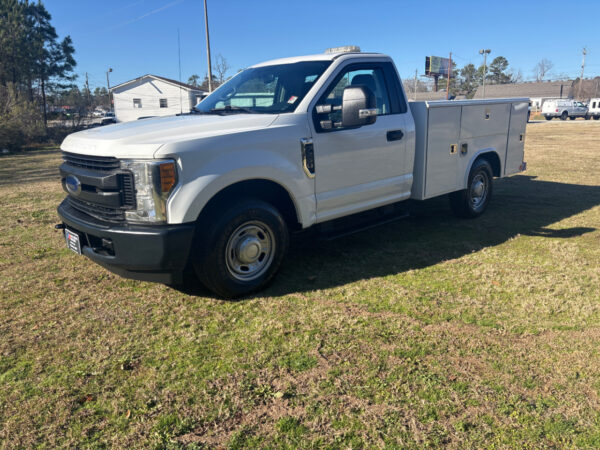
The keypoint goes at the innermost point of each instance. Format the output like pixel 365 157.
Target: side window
pixel 373 78
pixel 137 103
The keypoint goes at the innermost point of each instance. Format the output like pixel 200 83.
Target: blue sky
pixel 135 37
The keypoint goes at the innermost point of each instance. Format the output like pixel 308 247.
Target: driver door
pixel 365 167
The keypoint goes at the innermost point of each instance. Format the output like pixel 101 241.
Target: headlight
pixel 154 181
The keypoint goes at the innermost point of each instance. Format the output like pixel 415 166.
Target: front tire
pixel 473 201
pixel 242 249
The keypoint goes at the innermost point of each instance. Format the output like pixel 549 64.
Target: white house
pixel 151 96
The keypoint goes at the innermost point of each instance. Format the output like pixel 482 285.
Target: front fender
pixel 202 182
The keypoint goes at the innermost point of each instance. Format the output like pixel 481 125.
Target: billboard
pixel 436 65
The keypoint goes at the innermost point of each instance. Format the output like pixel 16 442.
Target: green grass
pixel 433 331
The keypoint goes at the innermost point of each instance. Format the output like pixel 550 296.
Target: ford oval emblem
pixel 73 184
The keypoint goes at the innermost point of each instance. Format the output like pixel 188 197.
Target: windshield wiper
pixel 234 109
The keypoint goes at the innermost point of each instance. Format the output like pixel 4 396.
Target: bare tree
pixel 516 77
pixel 542 68
pixel 221 68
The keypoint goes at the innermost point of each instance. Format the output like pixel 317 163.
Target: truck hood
pixel 142 138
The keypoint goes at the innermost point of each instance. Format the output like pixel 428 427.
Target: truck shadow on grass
pixel 521 205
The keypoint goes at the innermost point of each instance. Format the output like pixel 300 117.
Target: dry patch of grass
pixel 432 331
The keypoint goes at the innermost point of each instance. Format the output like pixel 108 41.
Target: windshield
pixel 268 90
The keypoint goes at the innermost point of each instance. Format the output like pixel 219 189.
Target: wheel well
pixel 494 160
pixel 265 190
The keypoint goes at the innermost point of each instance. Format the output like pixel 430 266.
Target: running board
pixel 331 230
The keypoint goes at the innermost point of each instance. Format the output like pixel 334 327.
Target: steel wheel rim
pixel 479 190
pixel 250 251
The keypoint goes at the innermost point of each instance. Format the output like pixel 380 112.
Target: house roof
pixel 543 89
pixel 185 86
pixel 429 96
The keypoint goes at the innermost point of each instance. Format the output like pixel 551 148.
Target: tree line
pixel 34 65
pixel 219 75
pixel 467 79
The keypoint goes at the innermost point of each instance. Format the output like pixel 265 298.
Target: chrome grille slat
pixel 101 163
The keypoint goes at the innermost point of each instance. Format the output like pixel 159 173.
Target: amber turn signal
pixel 168 176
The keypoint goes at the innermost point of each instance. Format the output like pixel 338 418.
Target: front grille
pixel 101 177
pixel 101 163
pixel 98 212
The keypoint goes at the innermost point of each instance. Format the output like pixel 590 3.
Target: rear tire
pixel 241 250
pixel 548 117
pixel 473 201
pixel 564 115
pixel 596 117
pixel 572 118
pixel 587 117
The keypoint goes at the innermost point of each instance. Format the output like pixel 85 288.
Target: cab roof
pixel 317 57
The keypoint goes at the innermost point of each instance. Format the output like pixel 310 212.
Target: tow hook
pixel 59 226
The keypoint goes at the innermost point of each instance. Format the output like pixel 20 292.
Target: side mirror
pixel 359 106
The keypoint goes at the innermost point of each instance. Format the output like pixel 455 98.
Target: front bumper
pixel 152 253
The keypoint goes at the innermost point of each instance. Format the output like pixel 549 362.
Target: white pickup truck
pixel 284 145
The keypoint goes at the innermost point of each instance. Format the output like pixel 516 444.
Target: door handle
pixel 395 135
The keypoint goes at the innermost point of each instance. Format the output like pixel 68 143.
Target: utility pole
pixel 208 48
pixel 108 87
pixel 484 52
pixel 415 91
pixel 449 72
pixel 582 69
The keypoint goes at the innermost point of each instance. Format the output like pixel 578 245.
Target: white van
pixel 564 109
pixel 594 108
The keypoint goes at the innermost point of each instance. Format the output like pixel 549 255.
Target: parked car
pixel 594 108
pixel 220 191
pixel 108 118
pixel 564 108
pixel 97 113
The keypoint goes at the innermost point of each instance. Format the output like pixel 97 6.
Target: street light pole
pixel 484 52
pixel 208 48
pixel 108 87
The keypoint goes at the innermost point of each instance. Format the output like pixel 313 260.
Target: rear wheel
pixel 548 117
pixel 473 201
pixel 587 117
pixel 572 118
pixel 564 115
pixel 596 117
pixel 242 249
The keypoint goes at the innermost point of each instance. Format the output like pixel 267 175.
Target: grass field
pixel 432 331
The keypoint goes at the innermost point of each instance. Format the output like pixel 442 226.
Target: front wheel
pixel 572 118
pixel 242 249
pixel 596 117
pixel 473 201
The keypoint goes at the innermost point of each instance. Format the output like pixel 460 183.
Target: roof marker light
pixel 344 49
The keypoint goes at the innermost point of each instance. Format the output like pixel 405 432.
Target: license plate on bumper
pixel 73 242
